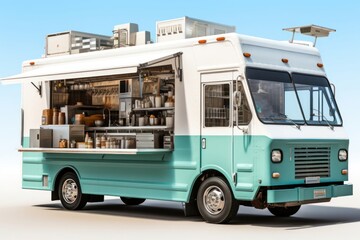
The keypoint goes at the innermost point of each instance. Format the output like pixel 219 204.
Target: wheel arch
pixel 57 177
pixel 207 172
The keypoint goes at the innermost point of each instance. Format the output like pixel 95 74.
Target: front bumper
pixel 308 194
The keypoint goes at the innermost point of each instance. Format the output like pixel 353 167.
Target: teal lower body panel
pixel 303 194
pixel 163 176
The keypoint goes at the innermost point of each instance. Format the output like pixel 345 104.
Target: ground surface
pixel 26 214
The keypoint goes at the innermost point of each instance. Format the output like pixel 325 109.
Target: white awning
pixel 82 68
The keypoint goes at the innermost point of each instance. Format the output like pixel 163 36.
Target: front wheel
pixel 284 211
pixel 215 201
pixel 70 193
pixel 132 201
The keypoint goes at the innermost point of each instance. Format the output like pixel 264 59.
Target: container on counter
pixel 141 121
pixel 63 143
pixel 55 120
pixel 170 100
pixel 158 101
pixel 47 117
pixel 61 119
pixel 98 142
pixel 79 119
pixel 169 122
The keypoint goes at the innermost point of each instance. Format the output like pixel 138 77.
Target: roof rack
pixel 310 30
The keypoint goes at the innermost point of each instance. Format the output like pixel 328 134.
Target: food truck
pixel 203 116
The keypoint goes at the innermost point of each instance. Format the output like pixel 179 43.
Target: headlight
pixel 276 156
pixel 343 155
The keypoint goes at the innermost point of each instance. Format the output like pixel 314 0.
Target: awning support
pixel 38 88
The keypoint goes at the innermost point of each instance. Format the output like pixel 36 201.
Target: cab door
pixel 245 145
pixel 216 124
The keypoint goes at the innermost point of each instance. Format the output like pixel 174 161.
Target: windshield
pixel 298 99
pixel 317 100
pixel 274 96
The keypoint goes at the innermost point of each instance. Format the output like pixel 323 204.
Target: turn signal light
pixel 32 63
pixel 320 65
pixel 202 41
pixel 285 60
pixel 220 39
pixel 344 172
pixel 247 55
pixel 276 175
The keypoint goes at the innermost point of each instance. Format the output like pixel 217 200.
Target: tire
pixel 215 201
pixel 69 191
pixel 132 201
pixel 284 211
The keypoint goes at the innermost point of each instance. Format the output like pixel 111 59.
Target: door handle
pixel 203 143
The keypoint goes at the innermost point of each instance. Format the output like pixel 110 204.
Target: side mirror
pixel 333 88
pixel 237 99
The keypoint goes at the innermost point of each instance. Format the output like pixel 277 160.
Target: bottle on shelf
pixel 90 143
pixel 98 142
pixel 103 141
pixel 170 100
pixel 86 138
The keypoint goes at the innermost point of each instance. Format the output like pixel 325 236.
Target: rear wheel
pixel 132 201
pixel 215 201
pixel 284 211
pixel 70 193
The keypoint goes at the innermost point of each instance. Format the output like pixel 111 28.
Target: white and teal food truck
pixel 204 116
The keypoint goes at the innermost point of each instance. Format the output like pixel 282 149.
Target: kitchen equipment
pixel 130 143
pixel 169 122
pixel 149 140
pixel 168 142
pixel 71 110
pixel 41 138
pixel 141 121
pixel 69 132
pixel 129 88
pixel 90 120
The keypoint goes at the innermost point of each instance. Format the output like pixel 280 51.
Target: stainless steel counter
pixel 95 151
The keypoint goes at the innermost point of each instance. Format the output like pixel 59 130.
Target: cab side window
pixel 217 105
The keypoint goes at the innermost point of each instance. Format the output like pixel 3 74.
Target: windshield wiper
pixel 282 116
pixel 323 117
pixel 289 119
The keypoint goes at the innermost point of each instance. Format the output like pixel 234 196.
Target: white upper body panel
pixel 224 58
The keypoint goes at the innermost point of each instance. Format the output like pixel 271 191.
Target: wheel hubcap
pixel 214 200
pixel 70 191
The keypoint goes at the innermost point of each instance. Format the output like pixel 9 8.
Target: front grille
pixel 312 162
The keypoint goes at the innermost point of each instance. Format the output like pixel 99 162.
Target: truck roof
pixel 263 51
